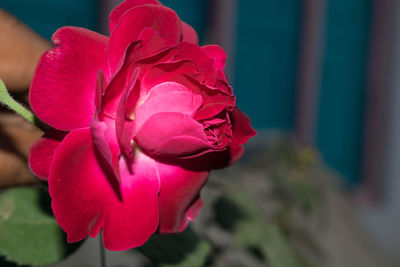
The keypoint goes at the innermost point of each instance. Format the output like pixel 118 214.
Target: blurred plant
pixel 257 213
pixel 29 232
pixel 260 213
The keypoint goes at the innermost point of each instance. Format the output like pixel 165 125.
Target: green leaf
pixel 177 250
pixel 29 234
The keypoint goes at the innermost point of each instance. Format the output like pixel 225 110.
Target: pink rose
pixel 138 121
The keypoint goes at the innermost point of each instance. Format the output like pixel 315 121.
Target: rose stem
pixel 9 102
pixel 102 252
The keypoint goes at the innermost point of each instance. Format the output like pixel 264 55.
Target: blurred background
pixel 323 73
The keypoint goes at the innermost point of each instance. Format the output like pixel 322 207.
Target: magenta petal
pixel 179 202
pixel 235 153
pixel 194 209
pixel 167 97
pixel 117 12
pixel 217 53
pixel 167 72
pixel 189 34
pixel 131 223
pixel 241 132
pixel 62 91
pixel 125 133
pixel 101 85
pixel 222 83
pixel 198 56
pixel 212 109
pixel 172 134
pixel 119 83
pixel 106 143
pixel 42 152
pixel 191 213
pixel 77 184
pixel 161 19
pixel 183 146
pixel 84 198
pixel 124 125
pixel 241 127
pixel 152 42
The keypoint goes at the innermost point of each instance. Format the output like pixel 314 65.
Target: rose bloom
pixel 138 120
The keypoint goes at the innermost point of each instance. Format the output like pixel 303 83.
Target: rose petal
pixel 241 127
pixel 148 44
pixel 119 82
pixel 162 19
pixel 62 91
pixel 167 97
pixel 152 43
pixel 235 153
pixel 214 102
pixel 205 64
pixel 222 84
pixel 169 72
pixel 101 85
pixel 189 34
pixel 217 54
pixel 42 152
pixel 214 99
pixel 178 197
pixel 241 132
pixel 117 12
pixel 194 209
pixel 165 88
pixel 105 140
pixel 131 223
pixel 171 134
pixel 84 197
pixel 212 109
pixel 125 126
pixel 191 213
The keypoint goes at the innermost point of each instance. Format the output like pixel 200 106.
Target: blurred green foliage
pixel 256 213
pixel 259 210
pixel 28 230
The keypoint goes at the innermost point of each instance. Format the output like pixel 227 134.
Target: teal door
pixel 343 86
pixel 46 16
pixel 266 59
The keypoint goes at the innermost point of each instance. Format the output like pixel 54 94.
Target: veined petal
pixel 42 152
pixel 119 83
pixel 124 125
pixel 189 34
pixel 217 53
pixel 179 196
pixel 150 44
pixel 167 97
pixel 117 12
pixel 106 142
pixel 241 132
pixel 197 55
pixel 172 134
pixel 168 72
pixel 84 196
pixel 161 19
pixel 131 222
pixel 62 91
